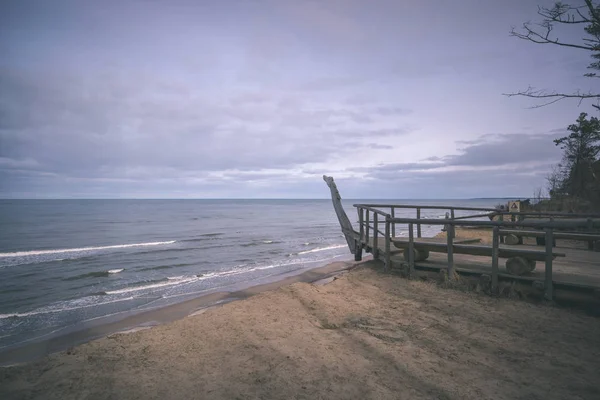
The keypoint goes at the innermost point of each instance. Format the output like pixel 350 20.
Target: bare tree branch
pixel 542 33
pixel 539 38
pixel 542 94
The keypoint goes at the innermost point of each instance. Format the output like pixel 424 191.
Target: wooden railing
pixel 365 211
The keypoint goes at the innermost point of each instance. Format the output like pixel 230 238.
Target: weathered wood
pixel 393 214
pixel 358 251
pixel 529 252
pixel 388 262
pixel 411 250
pixel 450 250
pixel 375 234
pixel 345 223
pixel 361 217
pixel 556 235
pixel 418 254
pixel 511 239
pixel 418 225
pixel 518 266
pixel 495 247
pixel 548 278
pixel 367 226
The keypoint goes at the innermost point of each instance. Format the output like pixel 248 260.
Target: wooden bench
pixel 519 260
pixel 591 238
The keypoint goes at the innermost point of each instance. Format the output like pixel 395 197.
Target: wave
pixel 95 274
pixel 167 266
pixel 80 249
pixel 318 249
pixel 258 243
pixel 168 282
pixel 59 309
pixel 95 299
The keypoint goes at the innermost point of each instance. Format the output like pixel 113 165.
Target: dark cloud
pixel 506 158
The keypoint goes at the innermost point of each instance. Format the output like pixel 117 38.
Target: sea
pixel 65 264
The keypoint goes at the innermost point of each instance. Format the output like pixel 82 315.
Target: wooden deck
pixel 578 269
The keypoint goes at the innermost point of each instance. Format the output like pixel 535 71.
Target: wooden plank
pixel 387 245
pixel 418 225
pixel 495 252
pixel 482 250
pixel 393 213
pixel 375 234
pixel 557 235
pixel 548 278
pixel 411 250
pixel 361 217
pixel 450 251
pixel 367 226
pixel 401 242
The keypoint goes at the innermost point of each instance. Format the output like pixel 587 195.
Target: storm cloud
pixel 259 99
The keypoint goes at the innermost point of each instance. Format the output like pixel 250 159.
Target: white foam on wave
pixel 58 308
pixel 80 249
pixel 168 282
pixel 318 249
pixel 267 241
pixel 115 271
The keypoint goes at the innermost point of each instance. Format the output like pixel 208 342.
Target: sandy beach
pixel 364 334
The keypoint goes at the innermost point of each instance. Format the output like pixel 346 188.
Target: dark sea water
pixel 65 263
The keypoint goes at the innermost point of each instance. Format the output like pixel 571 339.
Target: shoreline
pixel 30 352
pixel 367 334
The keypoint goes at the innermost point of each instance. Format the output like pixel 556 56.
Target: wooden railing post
pixel 393 224
pixel 375 235
pixel 452 218
pixel 548 288
pixel 450 235
pixel 367 227
pixel 388 263
pixel 495 246
pixel 411 250
pixel 361 217
pixel 418 225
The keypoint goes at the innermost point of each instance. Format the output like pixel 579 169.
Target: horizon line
pixel 267 198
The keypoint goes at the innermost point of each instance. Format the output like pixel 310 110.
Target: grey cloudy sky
pixel 260 98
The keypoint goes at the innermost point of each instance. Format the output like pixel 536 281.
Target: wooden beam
pixel 495 252
pixel 548 278
pixel 361 217
pixel 529 252
pixel 418 225
pixel 375 235
pixel 450 250
pixel 367 227
pixel 393 213
pixel 388 263
pixel 411 250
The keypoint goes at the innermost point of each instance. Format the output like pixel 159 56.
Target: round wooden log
pixel 511 239
pixel 518 266
pixel 531 265
pixel 420 255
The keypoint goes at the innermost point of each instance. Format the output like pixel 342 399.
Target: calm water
pixel 64 263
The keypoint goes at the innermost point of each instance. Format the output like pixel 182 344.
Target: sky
pixel 260 98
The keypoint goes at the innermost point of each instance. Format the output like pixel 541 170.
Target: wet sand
pixel 146 319
pixel 366 334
